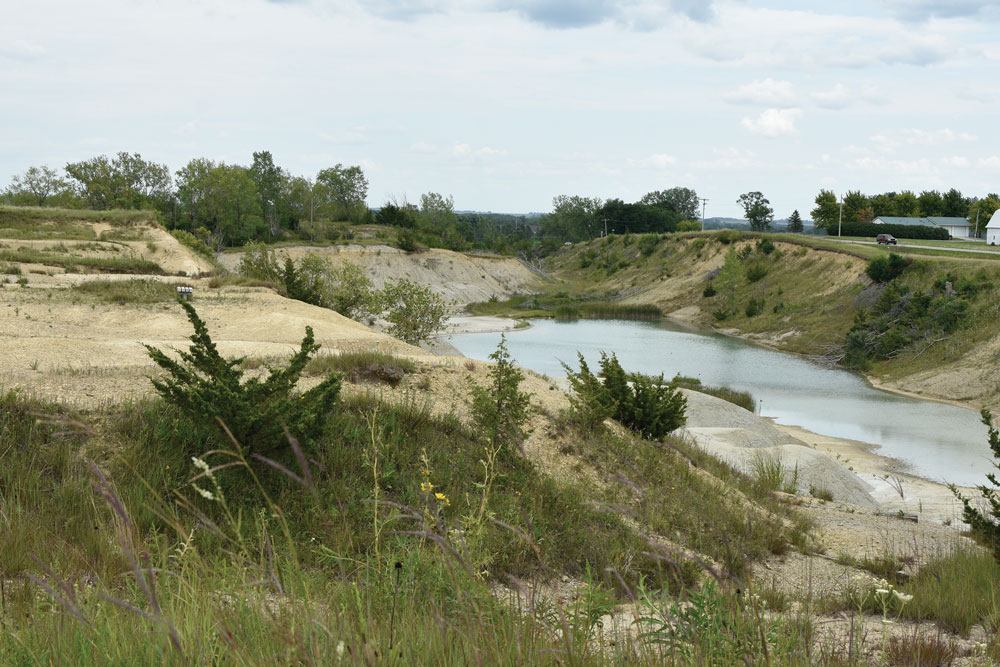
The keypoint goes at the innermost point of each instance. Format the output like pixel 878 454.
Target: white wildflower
pixel 340 649
pixel 199 464
pixel 902 597
pixel 205 493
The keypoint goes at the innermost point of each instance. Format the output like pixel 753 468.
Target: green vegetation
pixel 255 416
pixel 131 291
pixel 500 409
pixel 414 312
pixel 744 399
pixel 73 263
pixel 362 366
pixel 985 521
pixel 649 406
pixel 884 268
pixel 902 319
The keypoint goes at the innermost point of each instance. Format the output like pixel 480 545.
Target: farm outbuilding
pixel 993 229
pixel 958 228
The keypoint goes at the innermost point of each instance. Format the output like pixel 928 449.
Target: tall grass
pixel 134 290
pixel 744 399
pixel 73 263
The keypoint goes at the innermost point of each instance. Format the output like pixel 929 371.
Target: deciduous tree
pixel 757 210
pixel 827 211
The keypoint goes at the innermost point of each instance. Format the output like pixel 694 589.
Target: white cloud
pixel 423 148
pixel 769 92
pixel 914 136
pixel 729 159
pixel 468 152
pixel 956 161
pixel 773 122
pixel 656 161
pixel 992 162
pixel 19 49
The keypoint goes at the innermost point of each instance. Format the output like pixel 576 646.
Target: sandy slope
pixel 459 278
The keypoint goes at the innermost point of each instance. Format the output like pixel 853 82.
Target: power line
pixel 703 202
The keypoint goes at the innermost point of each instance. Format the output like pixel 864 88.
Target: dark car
pixel 887 239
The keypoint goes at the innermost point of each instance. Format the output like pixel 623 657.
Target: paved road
pixel 928 247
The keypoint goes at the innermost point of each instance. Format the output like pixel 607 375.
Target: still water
pixel 937 441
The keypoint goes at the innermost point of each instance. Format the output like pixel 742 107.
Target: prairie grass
pixel 363 366
pixel 150 557
pixel 959 590
pixel 74 263
pixel 25 216
pixel 131 291
pixel 744 399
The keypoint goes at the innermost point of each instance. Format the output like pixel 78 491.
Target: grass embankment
pixel 29 222
pixel 794 292
pixel 394 509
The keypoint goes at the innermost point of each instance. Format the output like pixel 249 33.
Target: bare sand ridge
pixel 459 278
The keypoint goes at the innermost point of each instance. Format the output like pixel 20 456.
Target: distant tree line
pixel 859 207
pixel 577 218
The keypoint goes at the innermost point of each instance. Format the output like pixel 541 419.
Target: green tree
pixel 573 218
pixel 437 213
pixel 855 206
pixel 931 203
pixel 981 210
pixel 827 211
pixel 682 201
pixel 954 205
pixel 268 179
pixel 907 205
pixel 757 210
pixel 342 191
pixel 222 198
pixel 210 390
pixel 414 312
pixel 883 205
pixel 394 215
pixel 500 409
pixel 125 181
pixel 36 186
pixel 795 222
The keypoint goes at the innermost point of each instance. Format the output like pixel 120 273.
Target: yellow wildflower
pixel 443 498
pixel 426 487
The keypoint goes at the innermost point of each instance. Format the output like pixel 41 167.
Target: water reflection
pixel 939 441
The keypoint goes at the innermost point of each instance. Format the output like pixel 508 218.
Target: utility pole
pixel 605 226
pixel 703 202
pixel 840 221
pixel 976 233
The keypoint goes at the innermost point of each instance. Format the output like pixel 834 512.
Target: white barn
pixel 993 229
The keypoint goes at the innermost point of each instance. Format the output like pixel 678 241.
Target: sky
pixel 505 104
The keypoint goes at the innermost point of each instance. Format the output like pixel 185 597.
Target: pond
pixel 938 441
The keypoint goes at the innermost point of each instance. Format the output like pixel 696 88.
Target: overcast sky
pixel 506 103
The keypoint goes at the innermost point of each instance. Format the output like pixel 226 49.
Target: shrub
pixel 259 263
pixel 727 236
pixel 884 268
pixel 709 291
pixel 209 390
pixel 765 246
pixel 406 240
pixel 647 405
pixel 648 244
pixel 500 409
pixel 755 272
pixel 188 239
pixel 754 307
pixel 415 312
pixel 986 521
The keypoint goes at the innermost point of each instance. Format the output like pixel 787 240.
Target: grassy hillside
pixel 800 294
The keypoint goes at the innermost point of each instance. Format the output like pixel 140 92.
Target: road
pixel 927 247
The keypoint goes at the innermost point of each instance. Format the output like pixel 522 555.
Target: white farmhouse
pixel 993 229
